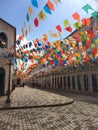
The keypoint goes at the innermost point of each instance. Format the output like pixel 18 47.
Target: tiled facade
pixel 8 36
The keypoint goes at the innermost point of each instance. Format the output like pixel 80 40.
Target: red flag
pixel 68 29
pixel 58 27
pixel 36 22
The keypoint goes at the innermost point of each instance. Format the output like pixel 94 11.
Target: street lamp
pixel 9 55
pixel 8 92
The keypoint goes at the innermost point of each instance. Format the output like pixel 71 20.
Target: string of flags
pixel 79 48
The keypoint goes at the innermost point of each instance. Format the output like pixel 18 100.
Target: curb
pixel 37 106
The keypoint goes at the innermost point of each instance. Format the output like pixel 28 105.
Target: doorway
pixel 2 81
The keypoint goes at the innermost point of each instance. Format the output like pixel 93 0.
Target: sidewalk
pixel 25 97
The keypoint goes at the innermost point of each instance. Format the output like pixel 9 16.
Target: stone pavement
pixel 79 115
pixel 25 97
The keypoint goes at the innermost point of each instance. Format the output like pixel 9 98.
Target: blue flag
pixel 34 3
pixel 47 10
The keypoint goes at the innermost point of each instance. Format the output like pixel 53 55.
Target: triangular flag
pixel 77 25
pixel 26 32
pixel 54 35
pixel 76 16
pixel 86 21
pixel 47 9
pixel 68 29
pixel 66 23
pixel 42 15
pixel 87 7
pixel 30 10
pixel 34 3
pixel 23 31
pixel 57 43
pixel 95 15
pixel 50 5
pixel 24 25
pixel 45 37
pixel 36 22
pixel 58 27
pixel 27 17
pixel 30 28
pixel 56 2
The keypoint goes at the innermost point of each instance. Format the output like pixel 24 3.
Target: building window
pixel 68 79
pixel 64 82
pixel 86 82
pixel 95 82
pixel 73 82
pixel 3 40
pixel 79 82
pixel 60 82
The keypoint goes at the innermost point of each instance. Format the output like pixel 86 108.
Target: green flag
pixel 95 15
pixel 87 7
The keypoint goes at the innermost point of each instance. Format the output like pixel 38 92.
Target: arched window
pixel 3 40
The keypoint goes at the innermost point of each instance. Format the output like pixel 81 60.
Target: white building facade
pixel 7 40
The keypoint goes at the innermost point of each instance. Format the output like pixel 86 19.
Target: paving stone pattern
pixel 26 97
pixel 76 116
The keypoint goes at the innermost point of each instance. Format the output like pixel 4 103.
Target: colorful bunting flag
pixel 77 25
pixel 56 2
pixel 36 22
pixel 24 26
pixel 76 16
pixel 86 21
pixel 66 23
pixel 68 29
pixel 58 27
pixel 50 5
pixel 87 7
pixel 26 32
pixel 27 17
pixel 47 9
pixel 30 10
pixel 30 28
pixel 95 15
pixel 45 37
pixel 34 3
pixel 42 15
pixel 53 34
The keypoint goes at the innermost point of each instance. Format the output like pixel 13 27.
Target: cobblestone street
pixel 78 115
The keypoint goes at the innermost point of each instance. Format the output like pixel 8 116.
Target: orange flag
pixel 50 5
pixel 86 21
pixel 76 16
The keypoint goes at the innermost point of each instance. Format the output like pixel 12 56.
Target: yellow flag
pixel 56 2
pixel 54 35
pixel 30 10
pixel 57 43
pixel 30 28
pixel 77 25
pixel 66 23
pixel 42 15
pixel 93 45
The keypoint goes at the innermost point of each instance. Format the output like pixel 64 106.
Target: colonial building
pixel 7 40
